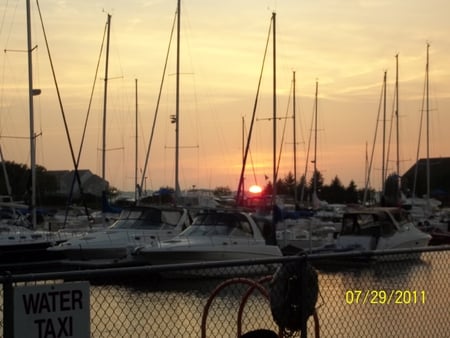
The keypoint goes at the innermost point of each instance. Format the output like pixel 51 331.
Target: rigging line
pixel 86 120
pixel 62 108
pixel 158 101
pixel 4 60
pixel 15 137
pixel 422 109
pixel 91 97
pixel 302 193
pixel 391 128
pixel 3 18
pixel 12 22
pixel 247 147
pixel 369 169
pixel 284 130
pixel 253 165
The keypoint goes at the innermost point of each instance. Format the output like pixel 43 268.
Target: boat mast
pixel 274 121
pixel 31 92
pixel 428 127
pixel 240 190
pixel 295 137
pixel 397 99
pixel 136 195
pixel 315 143
pixel 105 96
pixel 383 164
pixel 177 106
pixel 243 152
pixel 396 114
pixel 5 173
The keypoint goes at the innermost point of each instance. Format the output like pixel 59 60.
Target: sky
pixel 344 46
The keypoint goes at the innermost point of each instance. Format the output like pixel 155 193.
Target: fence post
pixel 303 283
pixel 8 306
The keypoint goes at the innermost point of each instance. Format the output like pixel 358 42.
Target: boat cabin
pixel 151 218
pixel 364 228
pixel 222 224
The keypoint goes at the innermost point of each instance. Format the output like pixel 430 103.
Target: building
pixel 91 184
pixel 439 179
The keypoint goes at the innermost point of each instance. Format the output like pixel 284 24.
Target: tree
pixel 319 180
pixel 268 189
pixel 391 191
pixel 317 176
pixel 351 193
pixel 335 192
pixel 222 191
pixel 286 185
pixel 18 177
pixel 302 189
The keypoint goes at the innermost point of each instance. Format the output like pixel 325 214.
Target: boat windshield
pixel 360 225
pixel 221 224
pixel 401 217
pixel 382 223
pixel 147 219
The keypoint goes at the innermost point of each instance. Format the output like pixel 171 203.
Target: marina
pixel 352 302
pixel 115 254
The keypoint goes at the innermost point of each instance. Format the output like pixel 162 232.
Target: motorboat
pixel 296 234
pixel 436 223
pixel 214 235
pixel 377 229
pixel 75 219
pixel 439 230
pixel 137 226
pixel 304 237
pixel 22 245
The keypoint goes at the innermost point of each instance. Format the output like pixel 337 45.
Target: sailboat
pixel 424 210
pixel 306 233
pixel 175 119
pixel 139 225
pixel 19 244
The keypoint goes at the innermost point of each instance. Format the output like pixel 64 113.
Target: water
pixel 174 308
pixel 392 299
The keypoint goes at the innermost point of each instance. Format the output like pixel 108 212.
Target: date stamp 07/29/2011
pixel 354 297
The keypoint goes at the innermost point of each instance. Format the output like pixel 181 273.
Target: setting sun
pixel 255 189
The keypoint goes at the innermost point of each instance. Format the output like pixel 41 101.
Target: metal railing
pixel 402 293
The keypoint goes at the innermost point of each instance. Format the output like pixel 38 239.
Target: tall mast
pixel 428 125
pixel 31 92
pixel 396 114
pixel 383 165
pixel 243 152
pixel 105 96
pixel 315 140
pixel 399 185
pixel 295 137
pixel 5 173
pixel 274 121
pixel 177 105
pixel 136 143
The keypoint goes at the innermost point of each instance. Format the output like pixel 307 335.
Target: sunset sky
pixel 346 46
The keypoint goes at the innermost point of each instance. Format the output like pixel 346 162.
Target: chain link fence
pixel 404 294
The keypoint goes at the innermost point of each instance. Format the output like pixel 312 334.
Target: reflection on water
pixel 174 308
pixel 353 302
pixel 402 315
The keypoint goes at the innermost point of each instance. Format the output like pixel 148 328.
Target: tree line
pixel 20 183
pixel 302 192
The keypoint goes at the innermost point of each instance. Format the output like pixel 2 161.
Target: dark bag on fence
pixel 289 295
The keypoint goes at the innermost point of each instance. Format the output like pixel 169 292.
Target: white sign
pixel 52 311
